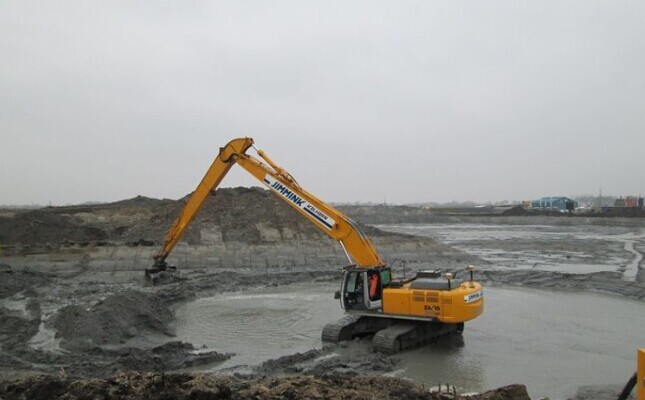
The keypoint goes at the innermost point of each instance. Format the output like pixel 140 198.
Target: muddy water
pixel 579 248
pixel 259 325
pixel 551 341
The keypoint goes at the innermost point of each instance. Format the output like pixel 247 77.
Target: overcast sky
pixel 398 101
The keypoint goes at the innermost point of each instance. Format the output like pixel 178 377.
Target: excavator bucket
pixel 160 271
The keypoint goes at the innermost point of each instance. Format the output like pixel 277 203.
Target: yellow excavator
pixel 637 380
pixel 640 392
pixel 399 313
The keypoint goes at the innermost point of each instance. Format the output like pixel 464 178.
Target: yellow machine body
pixel 450 306
pixel 640 375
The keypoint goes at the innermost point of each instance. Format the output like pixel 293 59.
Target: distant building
pixel 629 201
pixel 554 204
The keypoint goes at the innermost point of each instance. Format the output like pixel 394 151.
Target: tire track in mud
pixel 631 269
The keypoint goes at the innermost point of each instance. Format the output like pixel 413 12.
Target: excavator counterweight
pixel 400 313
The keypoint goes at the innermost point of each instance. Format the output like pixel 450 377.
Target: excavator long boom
pixel 355 243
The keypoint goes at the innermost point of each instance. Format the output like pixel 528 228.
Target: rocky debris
pixel 114 320
pixel 135 385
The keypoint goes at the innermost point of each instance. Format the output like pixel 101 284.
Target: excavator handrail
pixel 355 243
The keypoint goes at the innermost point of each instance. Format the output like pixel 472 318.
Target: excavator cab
pixel 362 288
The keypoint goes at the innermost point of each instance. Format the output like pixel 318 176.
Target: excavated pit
pixel 73 300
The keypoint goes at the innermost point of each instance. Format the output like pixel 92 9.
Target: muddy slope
pixel 113 320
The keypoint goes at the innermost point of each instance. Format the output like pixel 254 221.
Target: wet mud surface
pixel 532 245
pixel 200 386
pixel 74 303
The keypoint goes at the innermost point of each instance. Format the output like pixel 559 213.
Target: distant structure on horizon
pixel 629 201
pixel 554 204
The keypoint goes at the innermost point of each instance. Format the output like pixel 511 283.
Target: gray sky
pixel 360 101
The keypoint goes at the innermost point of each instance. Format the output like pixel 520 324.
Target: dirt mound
pixel 201 386
pixel 516 211
pixel 113 320
pixel 167 357
pixel 139 201
pixel 44 226
pixel 248 215
pixel 324 363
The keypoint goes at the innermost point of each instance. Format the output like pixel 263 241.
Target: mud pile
pixel 170 356
pixel 239 214
pixel 114 320
pixel 323 363
pixel 199 386
pixel 93 337
pixel 237 228
pixel 46 226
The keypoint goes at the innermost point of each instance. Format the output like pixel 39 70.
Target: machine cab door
pixel 362 288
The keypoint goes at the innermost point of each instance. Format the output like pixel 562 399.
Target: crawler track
pixel 340 330
pixel 390 335
pixel 404 335
pixel 352 326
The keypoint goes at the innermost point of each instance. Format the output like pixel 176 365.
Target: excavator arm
pixel 399 314
pixel 357 246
